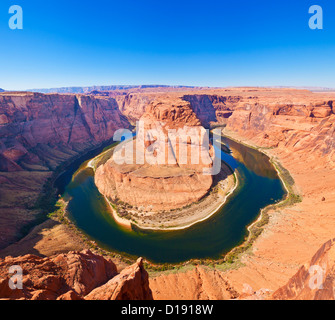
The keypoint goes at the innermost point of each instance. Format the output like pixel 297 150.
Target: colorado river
pixel 259 186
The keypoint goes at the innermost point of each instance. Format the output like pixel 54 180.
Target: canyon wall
pixel 166 179
pixel 299 127
pixel 32 125
pixel 298 120
pixel 295 128
pixel 38 131
pixel 133 105
pixel 37 134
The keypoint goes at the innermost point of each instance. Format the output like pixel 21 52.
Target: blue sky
pixel 204 43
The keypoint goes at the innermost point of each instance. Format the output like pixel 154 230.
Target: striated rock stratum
pixel 160 172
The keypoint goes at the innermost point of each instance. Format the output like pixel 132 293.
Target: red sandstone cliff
pixel 74 276
pixel 307 125
pixel 314 280
pixel 38 133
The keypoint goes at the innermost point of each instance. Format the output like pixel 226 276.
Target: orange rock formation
pixel 74 276
pixel 169 177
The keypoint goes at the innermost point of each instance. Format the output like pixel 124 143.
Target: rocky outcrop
pixel 164 180
pixel 212 108
pixel 103 89
pixel 315 280
pixel 39 131
pixel 73 276
pixel 133 105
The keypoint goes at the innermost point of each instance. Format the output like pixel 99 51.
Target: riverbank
pixel 294 228
pixel 233 259
pixel 163 266
pixel 35 196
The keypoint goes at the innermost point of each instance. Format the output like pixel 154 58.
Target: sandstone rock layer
pixel 162 180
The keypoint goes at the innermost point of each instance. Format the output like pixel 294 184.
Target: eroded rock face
pixel 196 284
pixel 37 134
pixel 314 280
pixel 131 284
pixel 303 123
pixel 165 179
pixel 73 276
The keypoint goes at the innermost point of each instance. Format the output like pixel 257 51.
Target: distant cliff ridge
pixel 101 88
pixel 176 183
pixel 37 134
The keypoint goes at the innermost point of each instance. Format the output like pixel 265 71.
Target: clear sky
pixel 201 43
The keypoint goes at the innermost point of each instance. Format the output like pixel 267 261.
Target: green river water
pixel 259 186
